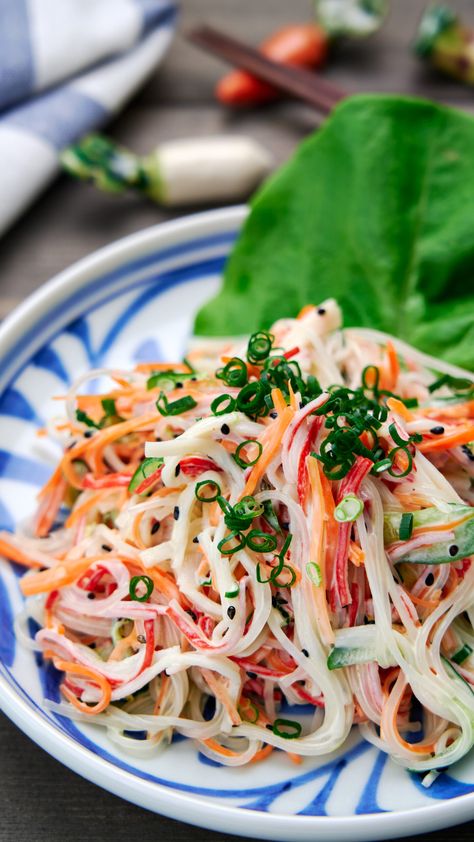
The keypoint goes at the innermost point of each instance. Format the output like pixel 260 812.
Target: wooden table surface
pixel 40 800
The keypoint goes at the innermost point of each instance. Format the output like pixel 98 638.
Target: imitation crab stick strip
pixel 80 670
pixel 271 441
pixel 417 748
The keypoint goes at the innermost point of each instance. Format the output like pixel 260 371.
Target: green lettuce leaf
pixel 377 210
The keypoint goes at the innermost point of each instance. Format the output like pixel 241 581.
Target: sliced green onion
pixel 241 462
pixel 270 516
pixel 108 405
pixel 84 418
pixel 248 507
pixel 410 403
pixel 232 594
pixel 375 386
pixel 396 436
pixel 381 466
pixel 259 575
pixel 259 346
pixel 406 526
pixel 261 542
pixel 250 399
pixel 254 710
pixel 292 734
pixel 462 654
pixel 277 573
pixel 461 383
pixel 225 546
pixel 204 498
pixel 134 582
pixel 175 407
pixel 167 379
pixel 234 373
pixel 407 469
pixel 313 572
pixel 145 470
pixel 348 509
pixel 218 402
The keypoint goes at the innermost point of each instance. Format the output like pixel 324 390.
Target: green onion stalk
pixel 180 172
pixel 446 42
pixel 351 18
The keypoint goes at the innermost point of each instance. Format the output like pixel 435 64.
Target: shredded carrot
pixel 305 310
pixel 270 440
pixel 14 553
pixel 393 364
pixel 448 441
pixel 85 507
pixel 317 550
pixel 399 407
pixel 56 577
pixel 95 677
pixel 145 367
pixel 356 555
pixel 262 754
pixel 215 746
pixel 120 648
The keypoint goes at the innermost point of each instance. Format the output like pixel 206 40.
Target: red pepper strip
pixel 307 697
pixel 150 644
pixel 300 45
pixel 288 355
pixel 149 481
pixel 107 481
pixel 303 479
pixel 195 465
pixel 354 606
pixel 350 484
pixel 51 599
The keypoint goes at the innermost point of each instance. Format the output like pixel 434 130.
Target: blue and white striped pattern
pixel 65 67
pixel 141 310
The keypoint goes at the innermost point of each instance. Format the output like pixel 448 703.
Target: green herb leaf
pixel 374 210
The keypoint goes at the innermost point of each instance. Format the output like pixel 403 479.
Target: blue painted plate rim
pixel 153 796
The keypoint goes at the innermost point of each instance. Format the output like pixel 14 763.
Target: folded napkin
pixel 66 66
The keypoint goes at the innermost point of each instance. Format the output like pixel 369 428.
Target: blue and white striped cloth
pixel 65 67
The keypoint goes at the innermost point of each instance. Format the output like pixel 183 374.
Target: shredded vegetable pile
pixel 274 525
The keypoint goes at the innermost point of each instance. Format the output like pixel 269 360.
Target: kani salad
pixel 282 521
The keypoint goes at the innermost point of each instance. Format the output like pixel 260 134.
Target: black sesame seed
pixel 285 525
pixel 273 414
pixel 176 512
pixel 155 527
pixel 225 429
pixel 106 548
pixel 195 540
pixel 252 674
pixel 179 385
pixel 231 612
pixel 141 638
pixel 191 614
pixel 177 470
pixel 193 379
pixel 270 727
pixel 321 311
pixel 88 434
pixel 158 438
pixel 305 653
pixel 92 645
pixel 91 595
pixel 429 579
pixel 437 431
pixel 453 550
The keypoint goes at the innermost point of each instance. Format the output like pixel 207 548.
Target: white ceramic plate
pixel 135 300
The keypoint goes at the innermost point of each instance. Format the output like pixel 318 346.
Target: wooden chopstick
pixel 302 84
